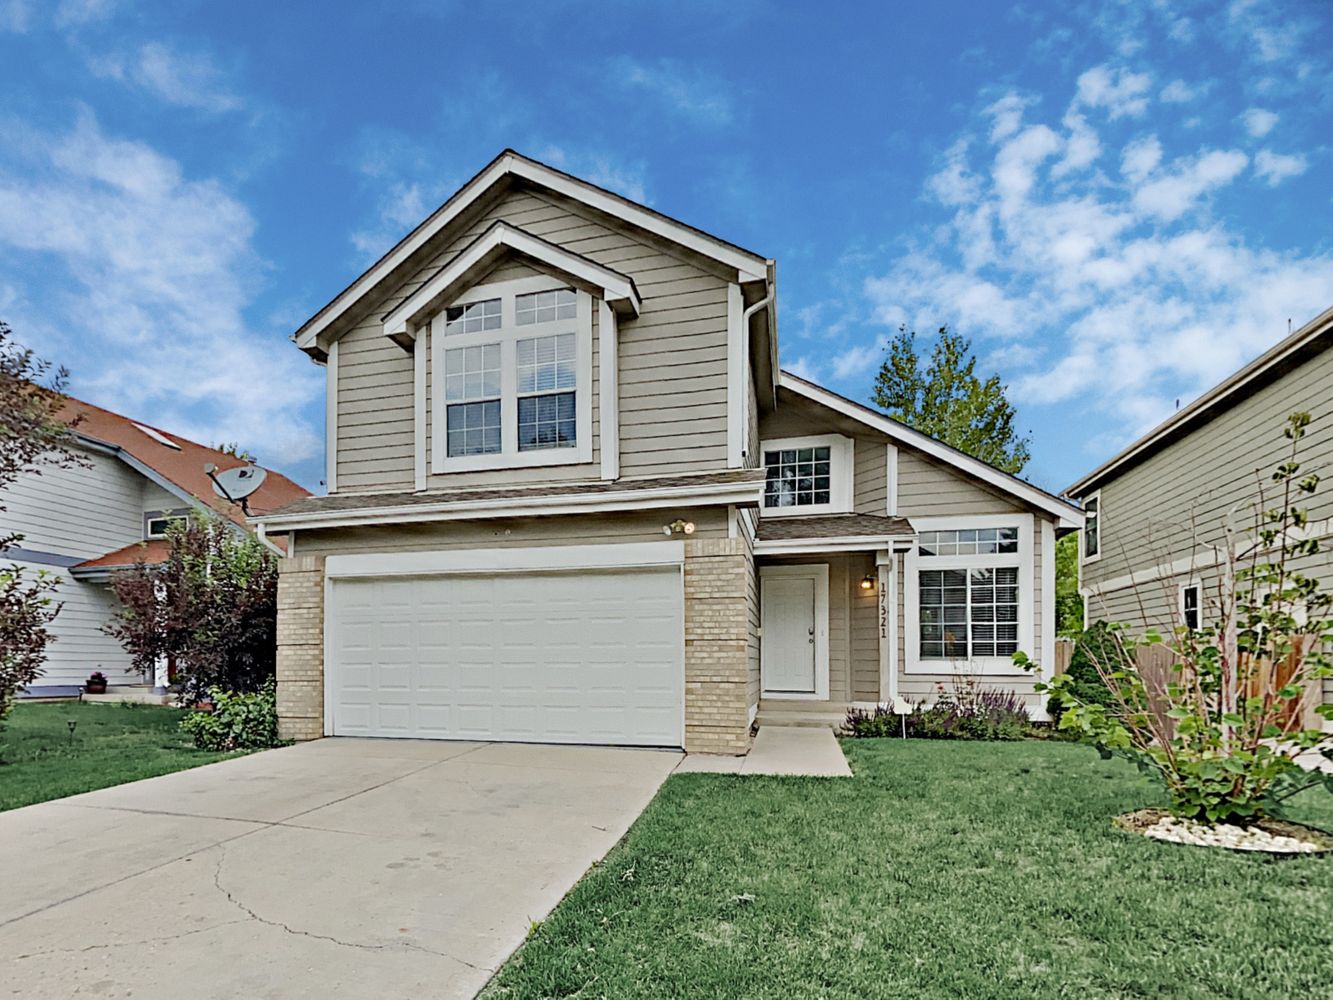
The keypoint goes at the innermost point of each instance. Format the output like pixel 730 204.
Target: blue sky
pixel 1120 202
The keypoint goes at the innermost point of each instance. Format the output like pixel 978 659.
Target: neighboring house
pixel 85 522
pixel 1156 512
pixel 574 499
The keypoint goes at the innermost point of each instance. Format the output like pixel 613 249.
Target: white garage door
pixel 560 657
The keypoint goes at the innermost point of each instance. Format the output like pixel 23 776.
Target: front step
pixel 814 714
pixel 119 694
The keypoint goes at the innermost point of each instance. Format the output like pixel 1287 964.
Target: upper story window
pixel 969 595
pixel 513 377
pixel 808 475
pixel 1191 605
pixel 156 522
pixel 1092 527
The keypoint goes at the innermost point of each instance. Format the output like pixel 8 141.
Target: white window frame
pixel 914 563
pixel 507 336
pixel 1083 557
pixel 842 470
pixel 1185 585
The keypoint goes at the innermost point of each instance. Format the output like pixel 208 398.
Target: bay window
pixel 969 594
pixel 512 377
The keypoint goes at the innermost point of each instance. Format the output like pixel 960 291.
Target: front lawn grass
pixel 939 870
pixel 111 744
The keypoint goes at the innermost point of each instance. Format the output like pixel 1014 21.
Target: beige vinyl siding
pixel 864 665
pixel 573 529
pixel 672 358
pixel 1174 504
pixel 871 485
pixel 375 411
pixel 156 498
pixel 925 487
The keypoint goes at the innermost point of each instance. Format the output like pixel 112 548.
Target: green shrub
pixel 244 721
pixel 967 711
pixel 1097 644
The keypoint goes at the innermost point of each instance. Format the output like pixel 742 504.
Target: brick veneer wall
pixel 301 648
pixel 716 646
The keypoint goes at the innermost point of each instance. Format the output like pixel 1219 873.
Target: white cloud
pixel 1123 94
pixel 857 359
pixel 15 16
pixel 1120 295
pixel 1259 122
pixel 77 13
pixel 1177 192
pixel 690 91
pixel 139 278
pixel 1180 92
pixel 1140 158
pixel 1277 167
pixel 185 79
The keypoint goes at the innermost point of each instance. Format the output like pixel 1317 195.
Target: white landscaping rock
pixel 1236 838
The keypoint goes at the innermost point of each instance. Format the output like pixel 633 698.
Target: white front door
pixel 794 644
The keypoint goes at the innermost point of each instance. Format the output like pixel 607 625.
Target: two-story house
pixel 85 522
pixel 1151 554
pixel 574 498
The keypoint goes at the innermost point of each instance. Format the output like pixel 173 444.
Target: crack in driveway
pixel 287 928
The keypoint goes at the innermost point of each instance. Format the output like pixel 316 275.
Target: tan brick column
pixel 716 634
pixel 301 648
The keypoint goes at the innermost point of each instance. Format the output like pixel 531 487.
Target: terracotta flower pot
pixel 94 688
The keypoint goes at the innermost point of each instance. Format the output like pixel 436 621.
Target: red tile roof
pixel 151 552
pixel 183 466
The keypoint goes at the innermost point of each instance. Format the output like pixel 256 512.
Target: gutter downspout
pixel 262 534
pixel 766 302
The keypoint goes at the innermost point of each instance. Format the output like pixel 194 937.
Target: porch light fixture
pixel 678 527
pixel 868 582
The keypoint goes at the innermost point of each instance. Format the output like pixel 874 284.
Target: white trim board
pixel 1069 516
pixel 819 573
pixel 802 546
pixel 608 338
pixel 600 502
pixel 749 267
pixel 433 295
pixel 544 558
pixel 331 420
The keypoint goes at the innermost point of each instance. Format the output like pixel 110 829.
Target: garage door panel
pixel 592 657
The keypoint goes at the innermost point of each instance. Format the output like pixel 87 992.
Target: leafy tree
pixel 211 607
pixel 948 401
pixel 1068 601
pixel 31 435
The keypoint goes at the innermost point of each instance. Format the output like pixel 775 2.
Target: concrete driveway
pixel 339 868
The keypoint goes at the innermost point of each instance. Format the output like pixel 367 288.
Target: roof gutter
pixel 739 494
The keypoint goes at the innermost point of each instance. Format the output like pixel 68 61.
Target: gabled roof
pixel 505 168
pixel 1313 337
pixel 173 462
pixel 1069 516
pixel 482 253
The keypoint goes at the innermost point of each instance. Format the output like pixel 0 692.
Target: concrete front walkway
pixel 799 751
pixel 340 868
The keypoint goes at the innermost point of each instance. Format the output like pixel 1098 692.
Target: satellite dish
pixel 238 483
